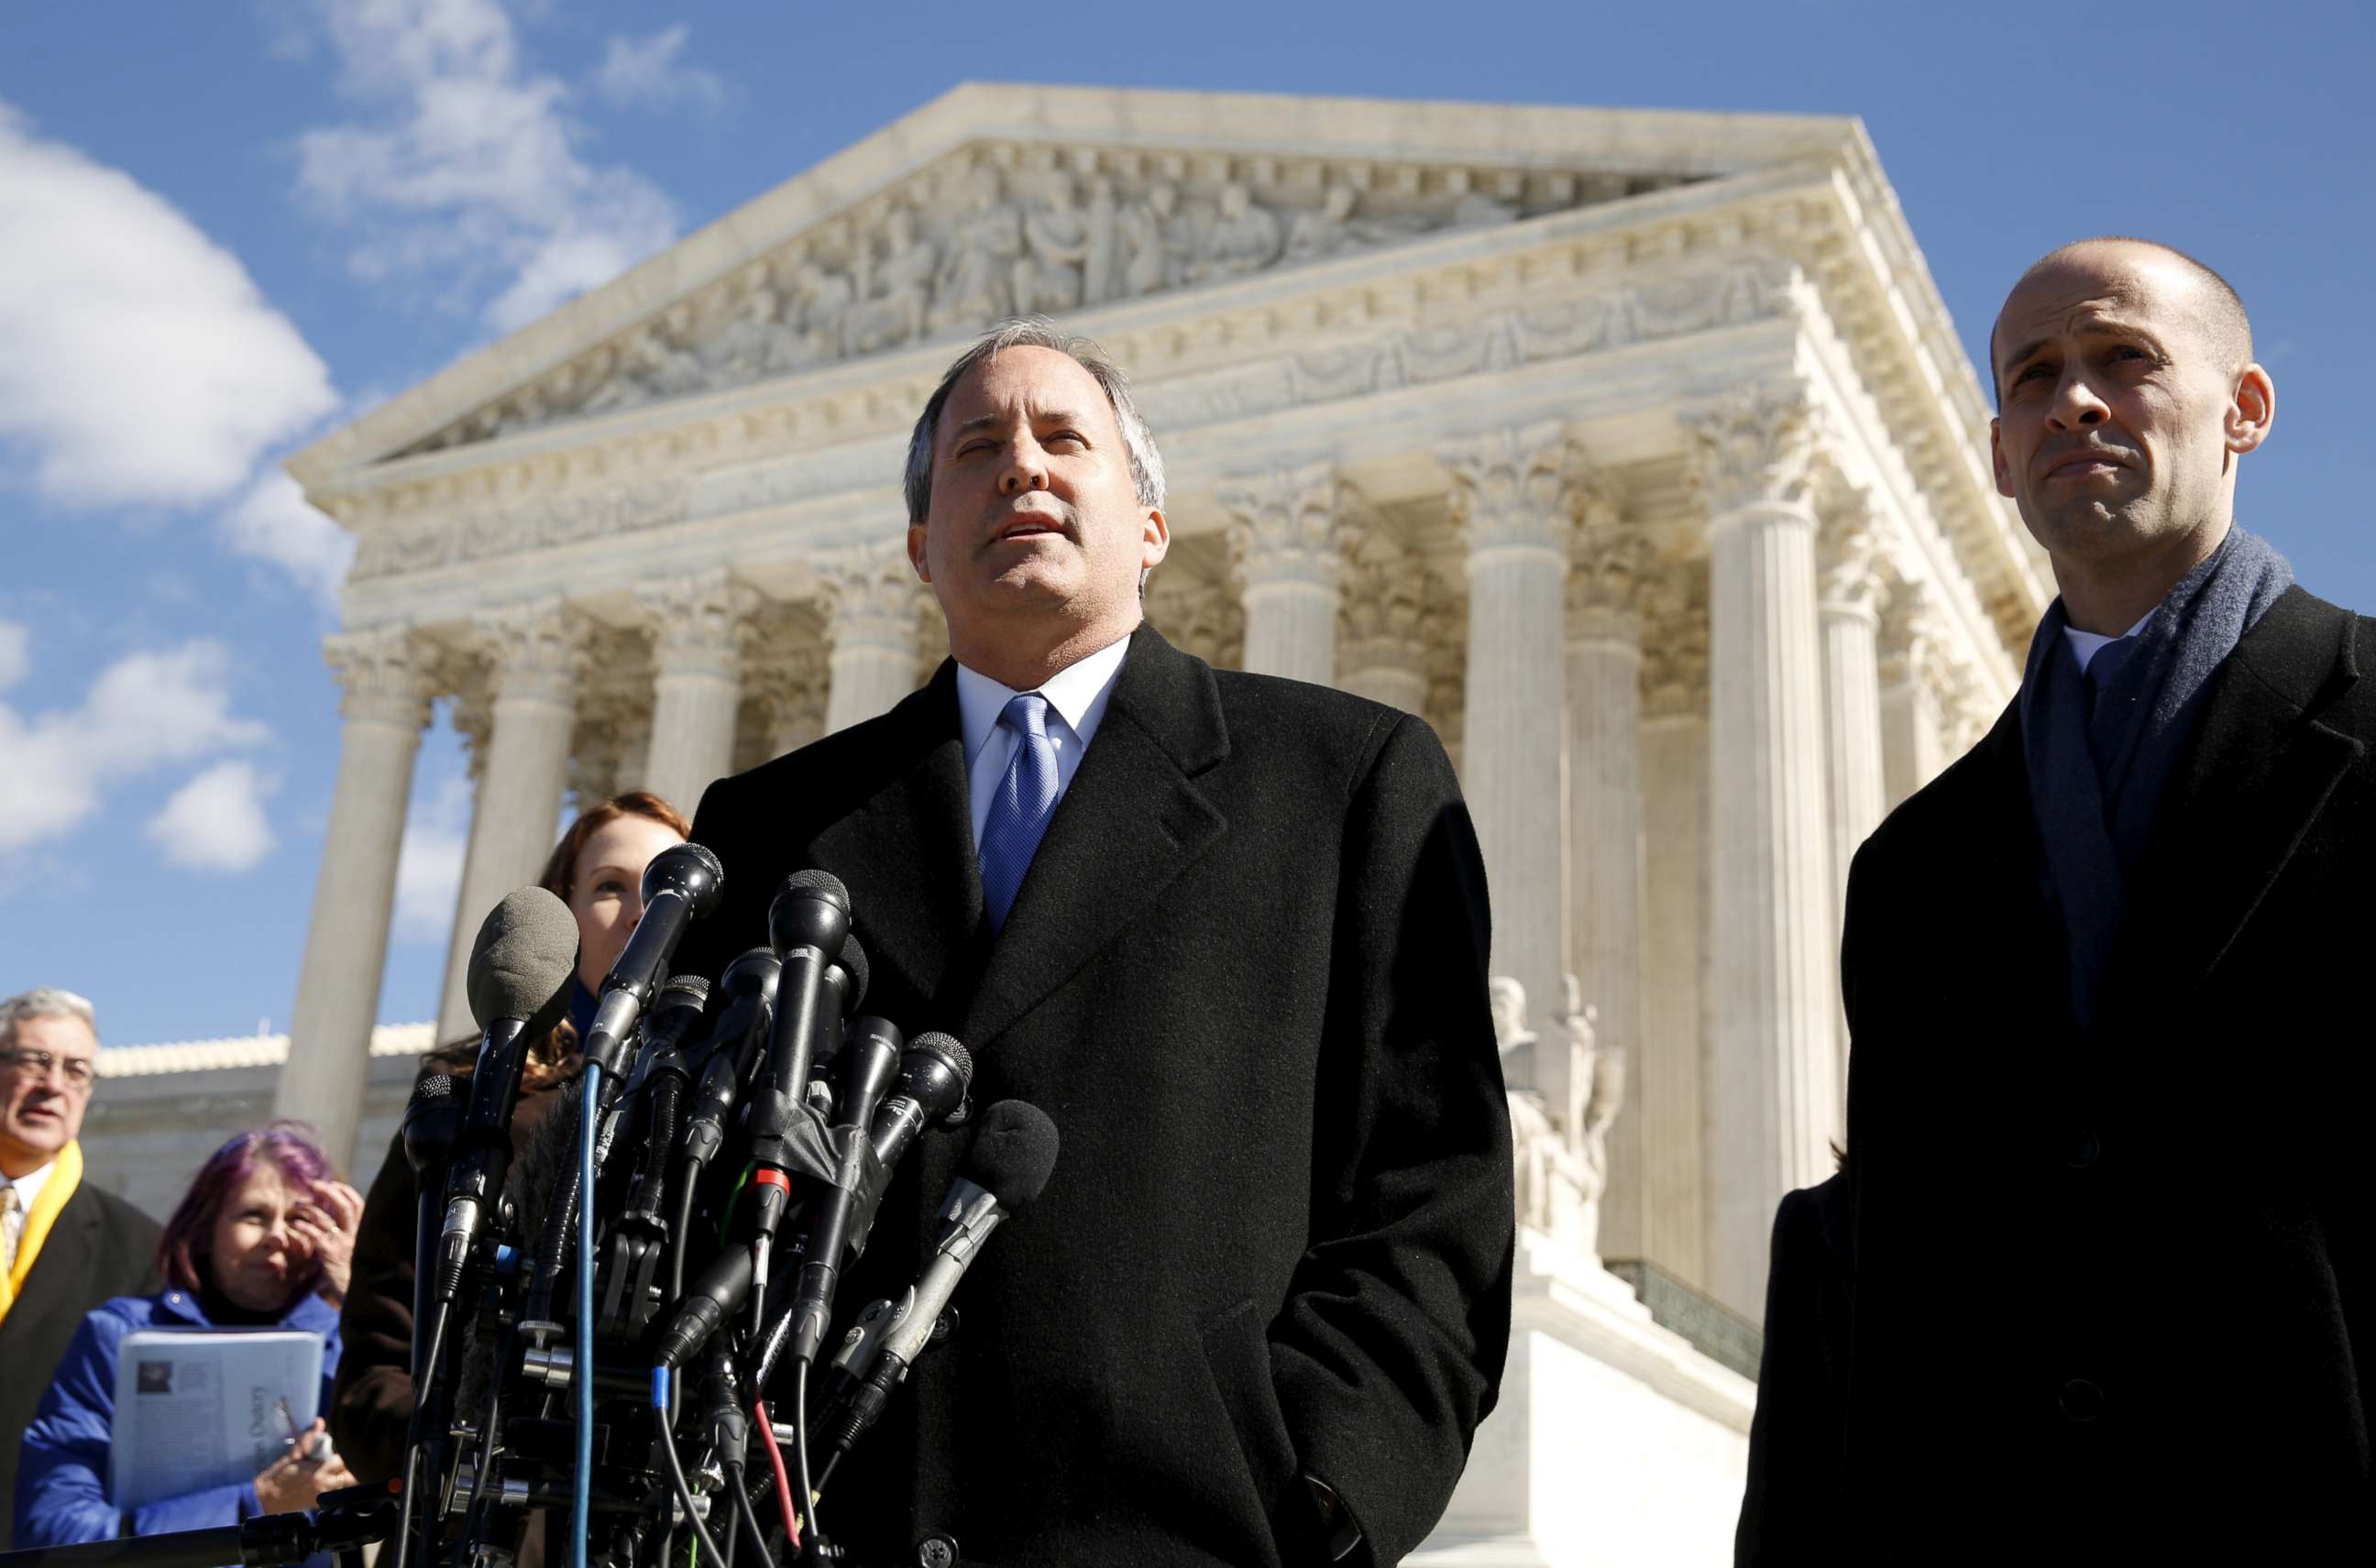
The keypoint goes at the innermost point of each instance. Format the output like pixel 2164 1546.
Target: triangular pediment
pixel 999 200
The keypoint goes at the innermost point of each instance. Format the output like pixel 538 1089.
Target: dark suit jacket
pixel 2113 1293
pixel 1246 975
pixel 99 1246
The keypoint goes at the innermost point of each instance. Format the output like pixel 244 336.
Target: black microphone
pixel 681 885
pixel 433 1119
pixel 808 924
pixel 519 975
pixel 747 990
pixel 933 1077
pixel 1007 1168
pixel 869 1061
pixel 845 988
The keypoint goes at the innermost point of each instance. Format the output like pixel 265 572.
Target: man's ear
pixel 1997 459
pixel 916 557
pixel 1155 539
pixel 2252 410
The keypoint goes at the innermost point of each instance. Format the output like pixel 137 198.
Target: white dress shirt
pixel 1076 702
pixel 28 1187
pixel 2085 644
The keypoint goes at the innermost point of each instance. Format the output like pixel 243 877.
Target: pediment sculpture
pixel 1002 231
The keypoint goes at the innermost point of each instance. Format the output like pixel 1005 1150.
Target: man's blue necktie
pixel 1019 811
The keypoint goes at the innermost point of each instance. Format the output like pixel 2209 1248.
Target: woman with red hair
pixel 598 871
pixel 264 1238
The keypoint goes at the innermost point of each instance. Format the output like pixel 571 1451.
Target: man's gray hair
pixel 1034 332
pixel 43 1002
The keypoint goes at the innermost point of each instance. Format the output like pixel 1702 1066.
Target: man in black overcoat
pixel 1229 933
pixel 2106 1285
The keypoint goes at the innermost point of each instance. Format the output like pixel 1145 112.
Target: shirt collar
pixel 1076 693
pixel 28 1186
pixel 2084 645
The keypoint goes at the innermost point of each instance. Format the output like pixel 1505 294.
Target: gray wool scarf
pixel 2095 824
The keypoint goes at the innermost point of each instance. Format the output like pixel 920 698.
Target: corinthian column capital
pixel 1510 489
pixel 872 596
pixel 1753 450
pixel 383 675
pixel 1606 559
pixel 700 624
pixel 1283 526
pixel 538 650
pixel 1848 544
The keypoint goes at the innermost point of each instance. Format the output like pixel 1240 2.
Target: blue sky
pixel 225 229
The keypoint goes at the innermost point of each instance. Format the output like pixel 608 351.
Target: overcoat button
pixel 2084 1148
pixel 2081 1400
pixel 937 1550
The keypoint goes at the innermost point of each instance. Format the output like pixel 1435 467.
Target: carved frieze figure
pixel 1243 237
pixel 1321 231
pixel 825 299
pixel 1101 256
pixel 652 367
pixel 1057 238
pixel 899 292
pixel 1152 241
pixel 756 342
pixel 984 244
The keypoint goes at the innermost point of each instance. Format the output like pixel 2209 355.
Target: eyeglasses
pixel 80 1072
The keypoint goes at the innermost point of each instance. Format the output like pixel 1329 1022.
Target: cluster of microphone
pixel 717 1167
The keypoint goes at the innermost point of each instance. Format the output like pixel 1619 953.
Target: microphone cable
pixel 660 1380
pixel 783 1482
pixel 413 1444
pixel 582 1482
pixel 800 1447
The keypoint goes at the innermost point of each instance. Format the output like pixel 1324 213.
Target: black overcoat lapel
pixel 1133 819
pixel 904 849
pixel 2255 778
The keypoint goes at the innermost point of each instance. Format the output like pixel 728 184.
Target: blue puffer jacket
pixel 62 1471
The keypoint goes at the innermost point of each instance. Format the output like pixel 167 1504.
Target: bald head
pixel 2208 300
pixel 2126 394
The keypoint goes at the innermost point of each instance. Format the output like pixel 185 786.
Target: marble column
pixel 871 603
pixel 1383 631
pixel 1848 599
pixel 1668 1106
pixel 698 627
pixel 1509 498
pixel 1913 722
pixel 535 652
pixel 1604 826
pixel 1774 1093
pixel 385 703
pixel 1284 557
pixel 792 701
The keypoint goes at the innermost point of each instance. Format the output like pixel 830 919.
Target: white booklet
pixel 198 1409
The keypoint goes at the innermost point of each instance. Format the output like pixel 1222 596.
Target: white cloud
pixel 216 822
pixel 651 73
pixel 138 362
pixel 273 522
pixel 429 865
pixel 461 167
pixel 146 711
pixel 16 653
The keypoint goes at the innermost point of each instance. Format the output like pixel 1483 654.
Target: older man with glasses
pixel 64 1245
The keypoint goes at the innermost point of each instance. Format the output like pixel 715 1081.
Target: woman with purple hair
pixel 264 1238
